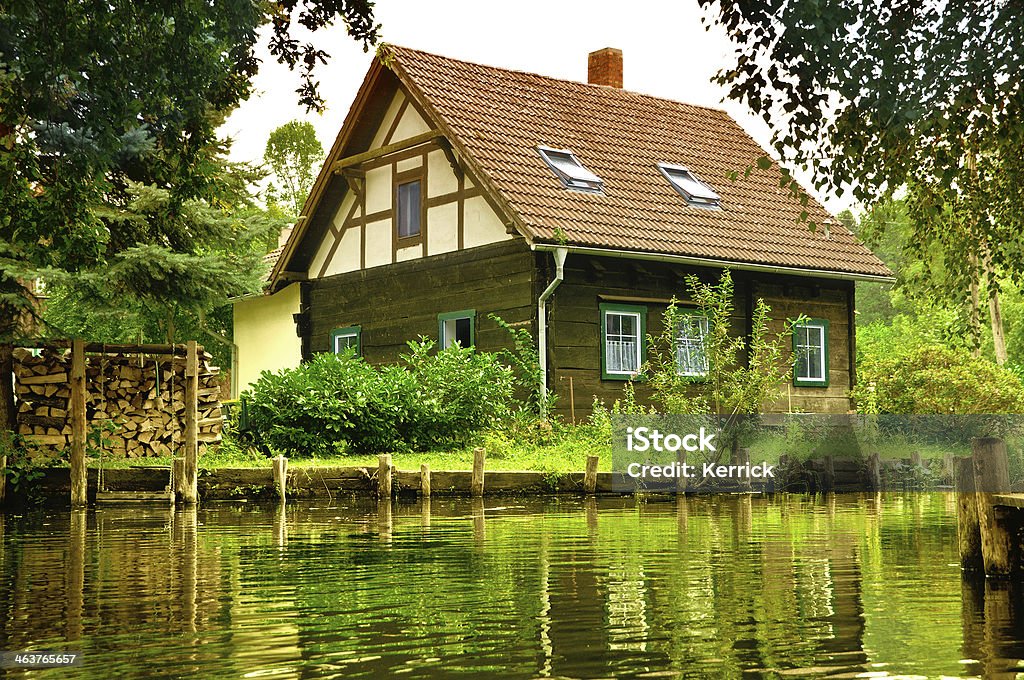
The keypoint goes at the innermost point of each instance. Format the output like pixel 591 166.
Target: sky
pixel 666 52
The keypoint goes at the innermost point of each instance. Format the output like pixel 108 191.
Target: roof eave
pixel 710 262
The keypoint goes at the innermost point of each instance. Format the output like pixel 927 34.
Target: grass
pixel 565 450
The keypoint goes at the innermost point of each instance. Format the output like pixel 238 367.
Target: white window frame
pixel 693 344
pixel 637 314
pixel 348 332
pixel 803 349
pixel 579 178
pixel 707 199
pixel 447 322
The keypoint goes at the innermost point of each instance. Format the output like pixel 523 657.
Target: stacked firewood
pixel 138 404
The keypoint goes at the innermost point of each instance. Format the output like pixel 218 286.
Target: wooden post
pixel 79 479
pixel 384 476
pixel 590 476
pixel 915 458
pixel 875 472
pixel 572 401
pixel 178 472
pixel 681 480
pixel 828 475
pixel 425 480
pixel 477 486
pixel 949 467
pixel 3 479
pixel 991 476
pixel 743 458
pixel 281 475
pixel 968 532
pixel 190 488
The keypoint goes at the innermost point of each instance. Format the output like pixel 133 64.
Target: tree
pixel 879 97
pixel 743 374
pixel 294 155
pixel 96 98
pixel 152 293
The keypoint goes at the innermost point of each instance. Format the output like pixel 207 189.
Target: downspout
pixel 542 325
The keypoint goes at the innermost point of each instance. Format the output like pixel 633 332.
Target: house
pixel 456 190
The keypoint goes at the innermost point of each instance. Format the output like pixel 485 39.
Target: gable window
pixel 691 356
pixel 689 186
pixel 457 327
pixel 570 170
pixel 343 339
pixel 810 345
pixel 622 340
pixel 409 207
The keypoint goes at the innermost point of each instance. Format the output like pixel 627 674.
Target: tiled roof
pixel 500 116
pixel 270 259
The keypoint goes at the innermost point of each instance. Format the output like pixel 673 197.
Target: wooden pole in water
pixel 477 485
pixel 743 458
pixel 681 480
pixel 590 475
pixel 991 476
pixel 425 480
pixel 968 531
pixel 828 477
pixel 384 476
pixel 178 472
pixel 79 478
pixel 875 472
pixel 189 485
pixel 281 475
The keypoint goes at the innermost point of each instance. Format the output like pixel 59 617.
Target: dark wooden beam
pixel 358 158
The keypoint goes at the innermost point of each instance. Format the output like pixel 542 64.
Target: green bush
pixel 936 379
pixel 338 403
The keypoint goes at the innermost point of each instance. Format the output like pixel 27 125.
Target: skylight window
pixel 570 171
pixel 689 186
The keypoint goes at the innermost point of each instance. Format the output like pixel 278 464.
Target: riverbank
pixel 335 481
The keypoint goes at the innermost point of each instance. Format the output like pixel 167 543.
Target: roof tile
pixel 500 117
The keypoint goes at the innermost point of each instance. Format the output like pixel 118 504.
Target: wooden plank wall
pixel 396 303
pixel 575 330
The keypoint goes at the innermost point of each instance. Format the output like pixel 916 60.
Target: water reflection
pixel 697 586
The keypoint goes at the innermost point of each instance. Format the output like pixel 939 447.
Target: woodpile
pixel 143 398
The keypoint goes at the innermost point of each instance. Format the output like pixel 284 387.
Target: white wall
pixel 265 334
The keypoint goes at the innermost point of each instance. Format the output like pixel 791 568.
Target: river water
pixel 728 586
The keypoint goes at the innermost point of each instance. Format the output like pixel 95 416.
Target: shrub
pixel 338 403
pixel 315 408
pixel 455 392
pixel 936 379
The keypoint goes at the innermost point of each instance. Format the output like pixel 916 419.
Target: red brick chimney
pixel 604 67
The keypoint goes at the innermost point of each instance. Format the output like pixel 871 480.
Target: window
pixel 570 171
pixel 346 338
pixel 810 345
pixel 457 327
pixel 622 337
pixel 689 186
pixel 691 357
pixel 409 209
